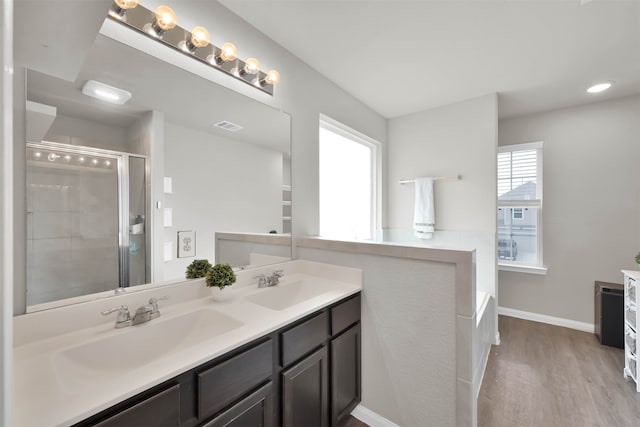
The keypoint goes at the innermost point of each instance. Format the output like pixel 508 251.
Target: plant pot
pixel 221 294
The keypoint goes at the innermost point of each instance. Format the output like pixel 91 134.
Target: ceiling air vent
pixel 231 127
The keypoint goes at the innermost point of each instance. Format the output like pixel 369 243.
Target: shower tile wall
pixel 72 232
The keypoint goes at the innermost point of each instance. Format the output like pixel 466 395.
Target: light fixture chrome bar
pixel 139 17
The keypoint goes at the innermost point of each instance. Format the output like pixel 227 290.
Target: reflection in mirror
pixel 109 187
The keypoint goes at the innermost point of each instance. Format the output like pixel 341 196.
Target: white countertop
pixel 50 393
pixel 632 273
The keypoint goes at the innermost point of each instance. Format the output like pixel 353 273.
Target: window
pixel 517 213
pixel 348 182
pixel 520 205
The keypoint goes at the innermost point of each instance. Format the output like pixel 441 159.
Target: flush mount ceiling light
pixel 161 25
pixel 104 92
pixel 599 87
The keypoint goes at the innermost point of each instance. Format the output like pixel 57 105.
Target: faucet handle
pixel 155 312
pixel 262 280
pixel 124 317
pixel 278 273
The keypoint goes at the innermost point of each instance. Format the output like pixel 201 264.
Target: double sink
pixel 126 349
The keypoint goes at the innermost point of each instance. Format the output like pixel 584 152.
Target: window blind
pixel 518 175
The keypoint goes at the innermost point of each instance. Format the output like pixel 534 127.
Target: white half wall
pixel 591 212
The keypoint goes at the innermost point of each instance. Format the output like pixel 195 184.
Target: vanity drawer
pixel 223 384
pixel 161 409
pixel 345 315
pixel 301 339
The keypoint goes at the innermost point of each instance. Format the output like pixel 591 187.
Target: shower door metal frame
pixel 122 159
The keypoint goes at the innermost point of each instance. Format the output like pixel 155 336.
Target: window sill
pixel 522 268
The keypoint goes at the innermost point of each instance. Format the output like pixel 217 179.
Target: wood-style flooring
pixel 548 376
pixel 354 422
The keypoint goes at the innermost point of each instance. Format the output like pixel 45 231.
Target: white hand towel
pixel 424 212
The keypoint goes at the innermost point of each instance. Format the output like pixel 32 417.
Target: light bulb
pixel 94 161
pixel 228 52
pixel 81 159
pixel 600 87
pixel 199 37
pixel 67 158
pixel 37 154
pixel 120 7
pixel 107 163
pixel 126 4
pixel 166 18
pixel 273 77
pixel 251 66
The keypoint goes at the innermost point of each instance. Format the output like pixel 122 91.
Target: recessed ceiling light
pixel 105 92
pixel 599 87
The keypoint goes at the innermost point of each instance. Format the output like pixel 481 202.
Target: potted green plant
pixel 198 268
pixel 219 277
pixel 638 259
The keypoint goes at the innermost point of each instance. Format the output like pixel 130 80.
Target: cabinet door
pixel 305 392
pixel 162 410
pixel 345 375
pixel 253 411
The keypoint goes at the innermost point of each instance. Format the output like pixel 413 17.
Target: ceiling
pixel 401 57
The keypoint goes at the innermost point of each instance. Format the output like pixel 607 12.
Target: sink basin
pixel 136 346
pixel 285 295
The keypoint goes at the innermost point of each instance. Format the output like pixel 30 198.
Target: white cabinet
pixel 631 323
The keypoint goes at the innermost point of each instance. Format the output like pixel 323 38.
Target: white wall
pixel 408 336
pixel 6 214
pixel 591 205
pixel 304 94
pixel 455 139
pixel 77 131
pixel 229 186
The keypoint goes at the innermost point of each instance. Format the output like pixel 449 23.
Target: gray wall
pixel 591 205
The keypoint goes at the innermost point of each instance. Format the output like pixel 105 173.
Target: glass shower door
pixel 137 214
pixel 72 223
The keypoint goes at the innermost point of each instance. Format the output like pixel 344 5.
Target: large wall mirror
pixel 124 195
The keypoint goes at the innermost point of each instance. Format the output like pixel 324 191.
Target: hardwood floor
pixel 354 422
pixel 547 376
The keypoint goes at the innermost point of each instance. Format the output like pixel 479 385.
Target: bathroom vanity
pixel 285 355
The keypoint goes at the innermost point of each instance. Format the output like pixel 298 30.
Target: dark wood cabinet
pixel 161 410
pixel 256 410
pixel 225 383
pixel 346 374
pixel 305 392
pixel 304 374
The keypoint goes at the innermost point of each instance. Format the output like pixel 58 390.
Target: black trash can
pixel 609 314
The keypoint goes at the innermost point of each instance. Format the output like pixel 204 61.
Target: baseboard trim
pixel 543 318
pixel 371 418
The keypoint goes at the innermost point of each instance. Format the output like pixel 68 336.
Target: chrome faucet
pixel 124 318
pixel 267 281
pixel 274 279
pixel 143 314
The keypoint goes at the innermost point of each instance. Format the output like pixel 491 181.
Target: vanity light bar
pixel 193 43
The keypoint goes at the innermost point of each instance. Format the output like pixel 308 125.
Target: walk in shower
pixel 87 221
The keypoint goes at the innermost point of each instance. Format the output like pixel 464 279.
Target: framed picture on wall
pixel 186 244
